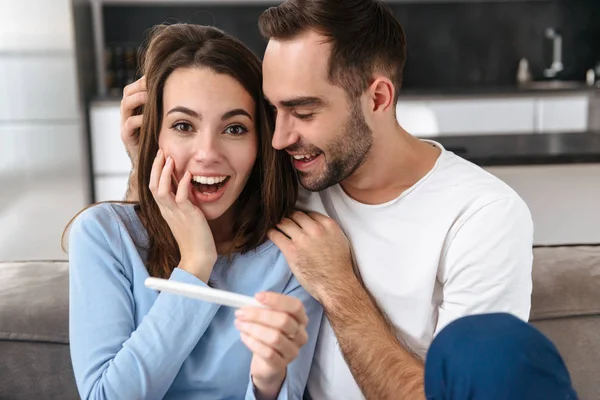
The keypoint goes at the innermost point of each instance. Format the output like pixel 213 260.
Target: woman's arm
pixel 112 359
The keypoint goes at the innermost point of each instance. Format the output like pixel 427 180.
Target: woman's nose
pixel 207 148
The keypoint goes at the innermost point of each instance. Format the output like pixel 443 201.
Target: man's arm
pixel 486 268
pixel 383 366
pixel 319 255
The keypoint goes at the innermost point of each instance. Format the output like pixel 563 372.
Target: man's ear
pixel 382 94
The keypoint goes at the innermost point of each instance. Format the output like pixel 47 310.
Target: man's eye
pixel 236 130
pixel 304 116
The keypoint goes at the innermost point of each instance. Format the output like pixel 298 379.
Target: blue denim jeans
pixel 494 357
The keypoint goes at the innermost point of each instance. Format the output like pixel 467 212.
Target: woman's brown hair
pixel 271 190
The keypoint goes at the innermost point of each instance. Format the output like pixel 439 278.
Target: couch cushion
pixel 566 282
pixel 578 341
pixel 36 370
pixel 34 301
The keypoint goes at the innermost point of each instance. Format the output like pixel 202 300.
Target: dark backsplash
pixel 480 44
pixel 450 45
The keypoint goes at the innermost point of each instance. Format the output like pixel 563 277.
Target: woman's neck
pixel 222 231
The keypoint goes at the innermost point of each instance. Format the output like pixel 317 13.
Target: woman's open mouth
pixel 210 188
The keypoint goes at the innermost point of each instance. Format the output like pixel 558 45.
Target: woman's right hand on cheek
pixel 186 221
pixel 134 96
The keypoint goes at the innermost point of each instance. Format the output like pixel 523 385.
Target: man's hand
pixel 134 96
pixel 319 255
pixel 316 249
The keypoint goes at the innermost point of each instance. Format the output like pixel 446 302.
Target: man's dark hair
pixel 365 37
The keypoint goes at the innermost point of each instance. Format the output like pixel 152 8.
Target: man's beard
pixel 344 155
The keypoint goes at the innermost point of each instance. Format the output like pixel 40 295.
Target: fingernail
pixel 239 324
pixel 261 297
pixel 240 314
pixel 169 160
pixel 159 152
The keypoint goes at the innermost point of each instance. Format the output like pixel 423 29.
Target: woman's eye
pixel 182 127
pixel 236 130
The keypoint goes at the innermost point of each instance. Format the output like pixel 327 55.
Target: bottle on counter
pixel 523 72
pixel 590 77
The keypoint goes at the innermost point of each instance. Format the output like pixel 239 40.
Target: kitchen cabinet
pixel 108 152
pixel 110 163
pixel 418 118
pixel 562 114
pixel 481 116
pixel 468 116
pixel 545 113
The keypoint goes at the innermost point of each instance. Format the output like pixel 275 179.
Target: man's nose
pixel 283 136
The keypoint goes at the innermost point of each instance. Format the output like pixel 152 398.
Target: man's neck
pixel 395 163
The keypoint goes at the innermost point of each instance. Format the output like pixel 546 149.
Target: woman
pixel 210 188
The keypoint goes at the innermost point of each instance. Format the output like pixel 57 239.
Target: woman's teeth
pixel 209 185
pixel 209 180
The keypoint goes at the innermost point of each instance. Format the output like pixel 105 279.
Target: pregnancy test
pixel 217 296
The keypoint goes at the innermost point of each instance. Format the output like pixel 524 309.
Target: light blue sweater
pixel 130 342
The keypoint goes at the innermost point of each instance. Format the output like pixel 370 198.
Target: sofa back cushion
pixel 34 332
pixel 565 306
pixel 34 321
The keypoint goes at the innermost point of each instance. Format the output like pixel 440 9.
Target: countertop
pixel 495 91
pixel 525 149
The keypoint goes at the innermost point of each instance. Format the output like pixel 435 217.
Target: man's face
pixel 317 124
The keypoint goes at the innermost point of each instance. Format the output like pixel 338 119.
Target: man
pixel 434 238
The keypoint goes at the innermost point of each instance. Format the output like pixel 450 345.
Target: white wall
pixel 40 113
pixel 564 200
pixel 43 168
pixel 36 25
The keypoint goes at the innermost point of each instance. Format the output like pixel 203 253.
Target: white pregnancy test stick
pixel 217 296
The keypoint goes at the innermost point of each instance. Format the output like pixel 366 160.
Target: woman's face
pixel 209 129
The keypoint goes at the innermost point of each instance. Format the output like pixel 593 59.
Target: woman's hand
pixel 187 222
pixel 274 335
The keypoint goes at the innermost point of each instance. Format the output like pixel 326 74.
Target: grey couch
pixel 34 350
